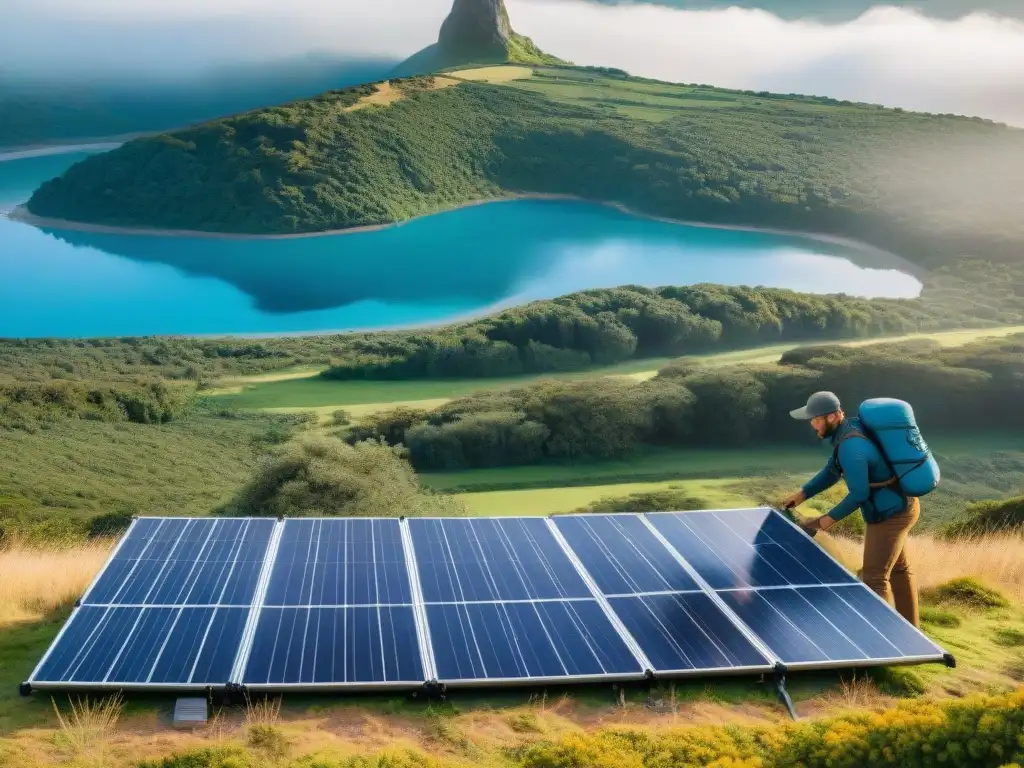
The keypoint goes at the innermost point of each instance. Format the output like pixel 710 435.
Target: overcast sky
pixel 974 65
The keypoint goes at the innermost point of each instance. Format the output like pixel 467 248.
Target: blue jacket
pixel 861 463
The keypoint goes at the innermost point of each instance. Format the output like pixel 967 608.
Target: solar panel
pixel 383 603
pixel 167 611
pixel 805 607
pixel 680 629
pixel 337 611
pixel 504 603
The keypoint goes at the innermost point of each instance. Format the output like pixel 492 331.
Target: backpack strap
pixel 854 433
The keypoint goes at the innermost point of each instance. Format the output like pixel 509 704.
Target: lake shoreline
pixel 21 214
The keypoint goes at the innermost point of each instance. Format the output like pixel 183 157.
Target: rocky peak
pixel 478 26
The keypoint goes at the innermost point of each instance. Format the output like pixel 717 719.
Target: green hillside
pixel 933 188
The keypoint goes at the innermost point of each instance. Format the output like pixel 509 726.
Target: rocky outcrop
pixel 479 27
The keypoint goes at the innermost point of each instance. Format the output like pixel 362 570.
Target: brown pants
pixel 886 568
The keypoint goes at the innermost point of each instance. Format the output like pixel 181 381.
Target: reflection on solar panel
pixel 167 611
pixel 504 602
pixel 679 628
pixel 338 610
pixel 362 604
pixel 804 606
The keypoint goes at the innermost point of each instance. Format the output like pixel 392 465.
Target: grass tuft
pixel 898 681
pixel 970 593
pixel 1009 637
pixel 939 617
pixel 86 727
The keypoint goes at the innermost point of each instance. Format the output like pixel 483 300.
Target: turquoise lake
pixel 442 267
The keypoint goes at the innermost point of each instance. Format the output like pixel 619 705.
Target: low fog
pixel 974 65
pixel 891 56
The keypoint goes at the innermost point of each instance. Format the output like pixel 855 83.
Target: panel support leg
pixel 780 689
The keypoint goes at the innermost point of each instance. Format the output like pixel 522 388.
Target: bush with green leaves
pixel 315 475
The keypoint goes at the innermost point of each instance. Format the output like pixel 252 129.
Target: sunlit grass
pixel 34 581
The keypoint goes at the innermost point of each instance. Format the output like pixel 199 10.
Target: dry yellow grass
pixel 385 94
pixel 996 560
pixel 494 74
pixel 33 582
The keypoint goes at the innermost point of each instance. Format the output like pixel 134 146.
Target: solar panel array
pixel 383 603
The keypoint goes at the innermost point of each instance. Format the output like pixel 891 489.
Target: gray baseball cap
pixel 818 404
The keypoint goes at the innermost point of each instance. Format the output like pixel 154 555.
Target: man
pixel 888 514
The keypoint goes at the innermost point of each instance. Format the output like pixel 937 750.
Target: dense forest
pixel 932 188
pixel 146 379
pixel 970 389
pixel 604 326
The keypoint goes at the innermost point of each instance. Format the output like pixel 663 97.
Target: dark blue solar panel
pixel 332 646
pixel 339 562
pixel 748 548
pixel 147 645
pixel 822 624
pixel 200 561
pixel 686 631
pixel 622 555
pixel 526 640
pixel 466 559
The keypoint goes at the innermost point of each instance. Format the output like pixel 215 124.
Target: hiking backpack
pixel 891 426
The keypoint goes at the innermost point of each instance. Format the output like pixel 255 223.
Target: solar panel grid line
pixel 616 622
pixel 135 565
pixel 776 587
pixel 419 609
pixel 88 589
pixel 256 605
pixel 735 620
pixel 209 626
pixel 142 613
pixel 818 641
pixel 941 654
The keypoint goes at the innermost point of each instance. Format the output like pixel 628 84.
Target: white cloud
pixel 55 36
pixel 974 65
pixel 897 57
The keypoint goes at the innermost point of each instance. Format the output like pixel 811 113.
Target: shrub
pixel 315 475
pixel 970 593
pixel 898 681
pixel 989 517
pixel 212 757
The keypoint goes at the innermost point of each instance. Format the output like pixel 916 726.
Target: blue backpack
pixel 891 426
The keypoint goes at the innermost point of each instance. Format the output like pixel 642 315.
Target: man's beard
pixel 829 430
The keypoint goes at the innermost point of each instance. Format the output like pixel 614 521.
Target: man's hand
pixel 822 523
pixel 794 499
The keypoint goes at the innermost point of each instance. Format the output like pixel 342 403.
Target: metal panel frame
pixel 102 685
pixel 238 676
pixel 256 606
pixel 418 606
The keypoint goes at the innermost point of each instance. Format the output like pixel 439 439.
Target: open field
pixel 311 391
pixel 489 728
pixel 303 390
pixel 499 74
pixel 717 493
